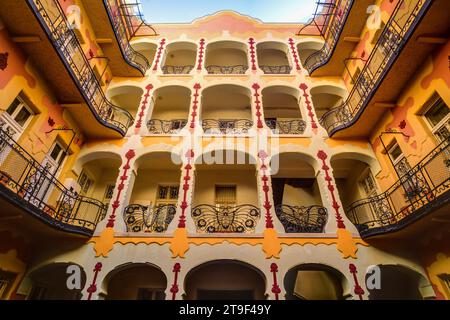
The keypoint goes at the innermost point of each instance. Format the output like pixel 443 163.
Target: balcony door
pixel 438 118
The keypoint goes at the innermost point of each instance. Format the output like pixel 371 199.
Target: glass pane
pixel 13 106
pixel 22 117
pixel 225 194
pixel 162 193
pixel 55 152
pixel 396 152
pixel 437 113
pixel 173 192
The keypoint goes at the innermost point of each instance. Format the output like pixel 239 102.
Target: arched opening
pixel 307 48
pixel 355 181
pixel 50 282
pixel 281 110
pixel 225 203
pixel 225 280
pixel 154 198
pixel 396 283
pixel 147 49
pixel 126 97
pixel 136 281
pixel 226 57
pixel 226 109
pixel 314 282
pixel 170 110
pixel 327 97
pixel 180 58
pixel 273 58
pixel 296 194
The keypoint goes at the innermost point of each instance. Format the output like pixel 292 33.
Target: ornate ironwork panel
pixel 156 126
pixel 302 219
pixel 239 69
pixel 233 126
pixel 297 126
pixel 276 69
pixel 177 69
pixel 409 198
pixel 226 219
pixel 392 40
pixel 27 183
pixel 140 218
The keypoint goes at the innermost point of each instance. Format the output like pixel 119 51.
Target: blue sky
pixel 166 11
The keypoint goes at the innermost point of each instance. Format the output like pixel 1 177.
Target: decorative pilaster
pixel 258 106
pixel 93 286
pixel 275 287
pixel 201 54
pixel 159 54
pixel 174 289
pixel 143 108
pixel 294 53
pixel 345 244
pixel 195 103
pixel 252 52
pixel 358 290
pixel 304 87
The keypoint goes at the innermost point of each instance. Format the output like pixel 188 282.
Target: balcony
pixel 110 20
pixel 388 68
pixel 273 58
pixel 226 57
pixel 297 219
pixel 69 75
pixel 26 186
pixel 421 192
pixel 170 111
pixel 180 58
pixel 340 23
pixel 282 111
pixel 226 109
pixel 139 218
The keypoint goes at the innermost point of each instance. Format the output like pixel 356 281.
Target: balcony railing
pixel 29 185
pixel 140 218
pixel 133 57
pixel 54 22
pixel 337 19
pixel 417 193
pixel 296 126
pixel 239 69
pixel 302 219
pixel 233 126
pixel 395 35
pixel 276 69
pixel 225 219
pixel 167 69
pixel 156 126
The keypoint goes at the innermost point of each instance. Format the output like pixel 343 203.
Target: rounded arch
pixel 96 156
pixel 273 57
pixel 146 48
pixel 396 282
pixel 226 53
pixel 126 96
pixel 307 47
pixel 227 279
pixel 326 97
pixel 354 155
pixel 216 151
pixel 296 152
pixel 179 57
pixel 49 281
pixel 154 159
pixel 315 281
pixel 232 86
pixel 273 45
pixel 281 102
pixel 135 281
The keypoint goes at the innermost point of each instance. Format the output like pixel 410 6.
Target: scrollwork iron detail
pixel 140 218
pixel 296 219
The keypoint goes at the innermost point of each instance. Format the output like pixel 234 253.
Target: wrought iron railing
pixel 414 195
pixel 28 184
pixel 55 24
pixel 395 35
pixel 133 57
pixel 157 126
pixel 225 219
pixel 233 126
pixel 140 218
pixel 302 219
pixel 167 69
pixel 296 126
pixel 239 69
pixel 338 17
pixel 276 69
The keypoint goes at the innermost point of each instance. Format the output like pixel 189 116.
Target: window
pixel 225 195
pixel 109 193
pixel 151 294
pixel 57 153
pixel 85 182
pixel 16 118
pixel 438 117
pixel 167 195
pixel 369 186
